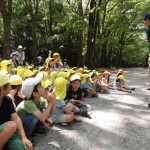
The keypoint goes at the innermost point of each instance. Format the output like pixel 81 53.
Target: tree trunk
pixel 33 11
pixel 91 36
pixel 6 11
pixel 80 36
pixel 79 45
pixel 34 37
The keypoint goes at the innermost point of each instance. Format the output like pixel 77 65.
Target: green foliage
pixel 117 37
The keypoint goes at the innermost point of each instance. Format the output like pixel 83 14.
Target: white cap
pixel 75 77
pixel 14 53
pixel 28 85
pixel 20 46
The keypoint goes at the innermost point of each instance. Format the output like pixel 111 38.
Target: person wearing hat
pixel 10 121
pixel 15 93
pixel 21 55
pixel 87 86
pixel 32 111
pixel 65 65
pixel 74 96
pixel 63 112
pixel 6 66
pixel 49 62
pixel 117 84
pixel 57 62
pixel 38 62
pixel 121 72
pixel 14 59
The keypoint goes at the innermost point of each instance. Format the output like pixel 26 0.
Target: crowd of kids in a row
pixel 35 97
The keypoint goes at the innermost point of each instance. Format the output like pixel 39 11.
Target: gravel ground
pixel 120 121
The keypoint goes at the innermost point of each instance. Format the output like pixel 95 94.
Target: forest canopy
pixel 95 33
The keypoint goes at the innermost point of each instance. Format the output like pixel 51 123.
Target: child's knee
pixel 69 118
pixel 10 127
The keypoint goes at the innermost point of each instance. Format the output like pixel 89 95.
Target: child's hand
pixel 72 101
pixel 51 97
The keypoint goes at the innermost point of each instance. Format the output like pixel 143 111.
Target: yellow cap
pixel 80 69
pixel 79 74
pixel 56 54
pixel 28 73
pixel 106 72
pixel 71 71
pixel 40 68
pixel 20 72
pixel 47 61
pixel 29 67
pixel 94 71
pixel 63 74
pixel 4 79
pixel 121 77
pixel 74 68
pixel 46 83
pixel 4 64
pixel 45 75
pixel 53 76
pixel 86 71
pixel 15 80
pixel 35 71
pixel 60 88
pixel 85 76
pixel 97 73
pixel 120 71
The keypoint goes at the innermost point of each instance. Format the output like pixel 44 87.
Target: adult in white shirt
pixel 21 55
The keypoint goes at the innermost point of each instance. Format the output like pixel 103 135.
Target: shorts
pixel 15 142
pixel 61 119
pixel 60 103
pixel 1 127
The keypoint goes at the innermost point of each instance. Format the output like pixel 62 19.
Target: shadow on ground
pixel 120 121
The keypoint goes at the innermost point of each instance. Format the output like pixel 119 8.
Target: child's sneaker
pixel 106 92
pixel 32 141
pixel 94 95
pixel 41 132
pixel 65 124
pixel 130 91
pixel 132 88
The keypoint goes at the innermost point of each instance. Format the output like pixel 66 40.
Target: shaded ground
pixel 120 121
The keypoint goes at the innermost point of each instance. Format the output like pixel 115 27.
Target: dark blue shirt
pixel 148 34
pixel 73 94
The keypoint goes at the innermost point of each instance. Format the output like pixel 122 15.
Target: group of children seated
pixel 33 100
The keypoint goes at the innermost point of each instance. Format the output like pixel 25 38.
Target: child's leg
pixel 29 123
pixel 64 118
pixel 15 143
pixel 6 132
pixel 68 110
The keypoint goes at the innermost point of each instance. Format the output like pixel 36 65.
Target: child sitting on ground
pixel 121 72
pixel 74 96
pixel 117 84
pixel 33 111
pixel 63 112
pixel 9 120
pixel 86 85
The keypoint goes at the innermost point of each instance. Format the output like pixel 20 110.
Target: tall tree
pixel 80 35
pixel 33 7
pixel 6 11
pixel 91 34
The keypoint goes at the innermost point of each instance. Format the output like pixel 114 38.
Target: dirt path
pixel 121 121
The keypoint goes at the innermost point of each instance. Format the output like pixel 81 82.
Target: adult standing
pixel 147 23
pixel 14 59
pixel 21 55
